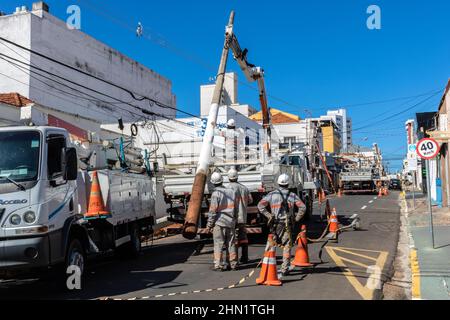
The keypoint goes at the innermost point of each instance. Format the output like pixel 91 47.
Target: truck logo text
pixel 6 202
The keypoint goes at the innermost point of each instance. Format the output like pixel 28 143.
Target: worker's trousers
pixel 223 236
pixel 242 242
pixel 285 240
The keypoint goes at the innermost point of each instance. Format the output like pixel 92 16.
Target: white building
pixel 43 33
pixel 179 141
pixel 344 124
pixel 229 97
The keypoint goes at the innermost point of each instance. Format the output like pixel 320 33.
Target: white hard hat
pixel 233 175
pixel 231 123
pixel 283 180
pixel 216 178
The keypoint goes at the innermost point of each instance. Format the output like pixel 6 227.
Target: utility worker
pixel 281 218
pixel 232 138
pixel 243 199
pixel 222 221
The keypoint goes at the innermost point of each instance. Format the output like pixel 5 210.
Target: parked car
pixel 395 184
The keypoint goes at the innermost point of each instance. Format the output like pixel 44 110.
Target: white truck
pixel 259 177
pixel 44 196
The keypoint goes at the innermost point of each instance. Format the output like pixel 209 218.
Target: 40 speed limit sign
pixel 427 148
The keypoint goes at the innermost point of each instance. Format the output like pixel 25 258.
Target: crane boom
pixel 253 73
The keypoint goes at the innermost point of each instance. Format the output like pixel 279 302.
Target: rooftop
pixel 14 99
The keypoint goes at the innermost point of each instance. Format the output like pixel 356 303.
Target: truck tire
pixel 133 248
pixel 75 256
pixel 135 242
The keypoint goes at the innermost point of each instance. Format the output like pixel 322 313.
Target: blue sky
pixel 317 55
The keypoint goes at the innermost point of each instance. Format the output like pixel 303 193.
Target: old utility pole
pixel 198 188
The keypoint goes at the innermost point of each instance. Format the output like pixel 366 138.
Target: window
pixel 290 139
pixel 19 155
pixel 56 145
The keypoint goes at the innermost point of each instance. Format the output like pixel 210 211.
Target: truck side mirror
pixel 70 164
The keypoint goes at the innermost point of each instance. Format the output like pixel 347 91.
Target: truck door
pixel 60 194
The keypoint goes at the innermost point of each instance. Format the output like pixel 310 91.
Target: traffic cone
pixel 380 193
pixel 301 258
pixel 334 223
pixel 269 275
pixel 96 208
pixel 339 193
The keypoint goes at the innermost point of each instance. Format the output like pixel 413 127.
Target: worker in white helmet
pixel 281 217
pixel 222 219
pixel 243 199
pixel 233 139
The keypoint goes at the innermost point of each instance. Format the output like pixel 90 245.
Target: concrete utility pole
pixel 198 188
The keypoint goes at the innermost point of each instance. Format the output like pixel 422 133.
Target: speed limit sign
pixel 427 148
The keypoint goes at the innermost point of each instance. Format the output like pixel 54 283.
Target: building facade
pixel 344 125
pixel 41 32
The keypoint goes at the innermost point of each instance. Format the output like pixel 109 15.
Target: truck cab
pixel 38 172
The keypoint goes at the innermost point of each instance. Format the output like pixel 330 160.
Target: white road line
pixel 375 198
pixel 371 201
pixel 363 207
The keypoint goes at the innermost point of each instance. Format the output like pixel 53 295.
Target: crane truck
pixel 362 172
pixel 188 194
pixel 44 195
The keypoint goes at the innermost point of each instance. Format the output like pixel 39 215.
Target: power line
pixel 132 94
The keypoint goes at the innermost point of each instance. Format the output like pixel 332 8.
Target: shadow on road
pixel 111 276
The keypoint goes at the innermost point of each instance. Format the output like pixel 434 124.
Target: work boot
pixel 217 269
pixel 244 257
pixel 285 273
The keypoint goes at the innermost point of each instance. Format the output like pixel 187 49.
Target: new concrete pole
pixel 198 188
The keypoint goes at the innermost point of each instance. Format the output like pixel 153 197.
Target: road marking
pixel 415 272
pixel 355 254
pixel 374 280
pixel 363 207
pixel 371 201
pixel 375 198
pixel 235 285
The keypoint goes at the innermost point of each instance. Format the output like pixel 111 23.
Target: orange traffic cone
pixel 301 258
pixel 268 275
pixel 380 193
pixel 339 193
pixel 96 207
pixel 334 223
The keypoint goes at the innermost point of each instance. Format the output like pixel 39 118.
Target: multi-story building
pixel 229 96
pixel 344 126
pixel 35 37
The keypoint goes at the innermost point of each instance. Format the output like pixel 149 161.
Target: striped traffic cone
pixel 333 226
pixel 268 275
pixel 96 208
pixel 301 258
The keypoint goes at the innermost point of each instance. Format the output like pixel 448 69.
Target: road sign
pixel 411 165
pixel 412 148
pixel 427 148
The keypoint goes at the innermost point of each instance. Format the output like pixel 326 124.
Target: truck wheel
pixel 135 242
pixel 131 249
pixel 75 256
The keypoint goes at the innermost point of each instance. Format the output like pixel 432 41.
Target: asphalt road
pixel 353 268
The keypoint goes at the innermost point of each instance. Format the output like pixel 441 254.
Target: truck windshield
pixel 19 155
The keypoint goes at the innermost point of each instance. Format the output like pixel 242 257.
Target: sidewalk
pixel 430 267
